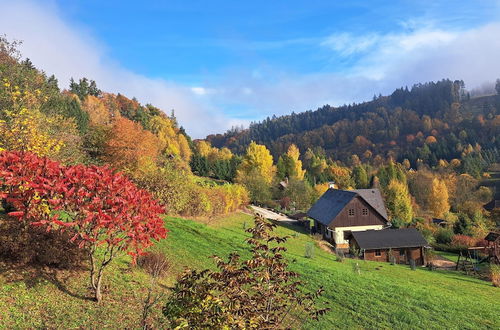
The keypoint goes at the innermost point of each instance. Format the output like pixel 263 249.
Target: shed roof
pixel 389 238
pixel 492 236
pixel 494 204
pixel 333 202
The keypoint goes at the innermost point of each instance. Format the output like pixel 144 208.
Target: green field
pixel 382 296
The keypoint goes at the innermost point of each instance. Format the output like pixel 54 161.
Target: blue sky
pixel 223 63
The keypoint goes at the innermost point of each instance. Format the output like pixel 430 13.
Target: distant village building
pixel 493 205
pixel 339 212
pixel 439 222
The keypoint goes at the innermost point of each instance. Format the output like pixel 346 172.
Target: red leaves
pixel 17 214
pixel 104 207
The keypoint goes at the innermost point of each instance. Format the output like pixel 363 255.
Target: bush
pixel 309 250
pixel 155 264
pixel 35 246
pixel 178 190
pixel 260 292
pixel 495 274
pixel 444 236
pixel 463 241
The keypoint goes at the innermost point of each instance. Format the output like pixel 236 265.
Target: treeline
pixel 84 125
pixel 413 196
pixel 428 122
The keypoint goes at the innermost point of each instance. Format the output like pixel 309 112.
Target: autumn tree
pixel 398 201
pixel 98 113
pixel 360 177
pixel 438 198
pixel 300 193
pixel 104 211
pixel 129 146
pixel 24 127
pixel 289 165
pixel 257 160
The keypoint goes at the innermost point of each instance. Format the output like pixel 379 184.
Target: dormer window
pixel 350 212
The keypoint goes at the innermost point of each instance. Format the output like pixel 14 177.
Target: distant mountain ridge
pixel 431 121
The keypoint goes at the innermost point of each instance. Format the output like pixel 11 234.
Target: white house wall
pixel 338 233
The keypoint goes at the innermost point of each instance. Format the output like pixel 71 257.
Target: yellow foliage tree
pixel 172 141
pixel 398 201
pixel 438 198
pixel 185 150
pixel 203 147
pixel 98 113
pixel 321 188
pixel 294 154
pixel 258 159
pixel 24 127
pixel 26 130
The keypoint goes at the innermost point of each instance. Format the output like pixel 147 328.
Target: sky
pixel 220 64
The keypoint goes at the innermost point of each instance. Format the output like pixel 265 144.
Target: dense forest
pixel 429 122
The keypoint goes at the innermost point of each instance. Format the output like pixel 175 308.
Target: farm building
pixel 339 212
pixel 378 245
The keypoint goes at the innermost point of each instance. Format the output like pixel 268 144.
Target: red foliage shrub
pixel 99 207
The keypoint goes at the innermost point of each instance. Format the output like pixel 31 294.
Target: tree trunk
pixel 97 290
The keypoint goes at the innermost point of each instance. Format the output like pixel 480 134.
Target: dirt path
pixel 270 214
pixel 443 263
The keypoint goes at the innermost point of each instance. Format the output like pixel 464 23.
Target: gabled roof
pixel 389 238
pixel 333 202
pixel 374 198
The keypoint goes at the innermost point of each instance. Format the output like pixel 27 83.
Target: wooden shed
pixel 377 245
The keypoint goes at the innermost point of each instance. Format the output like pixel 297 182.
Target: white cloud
pixel 346 44
pixel 61 49
pixel 379 63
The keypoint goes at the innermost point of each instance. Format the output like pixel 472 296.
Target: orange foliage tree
pixel 130 146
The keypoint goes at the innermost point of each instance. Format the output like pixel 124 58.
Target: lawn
pixel 448 255
pixel 382 296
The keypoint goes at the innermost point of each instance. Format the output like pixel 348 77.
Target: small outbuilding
pixel 377 245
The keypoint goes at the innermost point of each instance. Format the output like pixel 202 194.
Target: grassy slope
pixel 383 296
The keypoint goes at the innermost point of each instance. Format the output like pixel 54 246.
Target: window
pixel 350 212
pixel 401 252
pixel 364 212
pixel 378 253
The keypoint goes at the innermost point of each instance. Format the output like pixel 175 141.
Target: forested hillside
pixel 428 122
pixel 84 125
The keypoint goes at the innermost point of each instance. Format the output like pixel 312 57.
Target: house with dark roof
pixel 338 213
pixel 378 245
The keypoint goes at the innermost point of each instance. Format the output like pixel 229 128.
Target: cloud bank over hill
pixel 378 63
pixel 59 48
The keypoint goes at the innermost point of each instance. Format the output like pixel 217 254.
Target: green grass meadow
pixel 382 296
